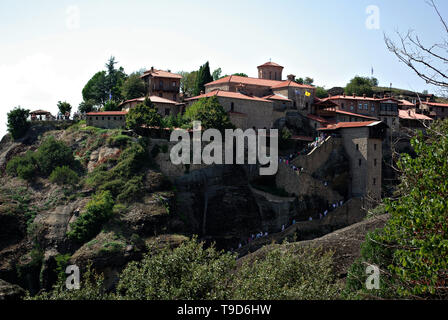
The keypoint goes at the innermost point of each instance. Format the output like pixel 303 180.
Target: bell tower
pixel 270 71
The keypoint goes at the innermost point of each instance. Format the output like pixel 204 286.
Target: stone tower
pixel 270 71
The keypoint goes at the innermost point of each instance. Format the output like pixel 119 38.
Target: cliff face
pixel 219 203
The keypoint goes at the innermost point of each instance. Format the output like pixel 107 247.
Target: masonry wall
pixel 365 156
pixel 259 113
pixel 106 122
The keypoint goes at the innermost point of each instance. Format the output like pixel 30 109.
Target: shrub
pixel 22 166
pixel 52 154
pixel 98 211
pixel 187 272
pixel 64 175
pixel 119 141
pixel 132 190
pixel 17 122
pixel 285 275
pixel 210 112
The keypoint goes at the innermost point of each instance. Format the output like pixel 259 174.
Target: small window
pixel 115 118
pixel 352 107
pixel 357 147
pixel 174 84
pixel 102 118
pixel 360 162
pixel 374 147
pixel 342 105
pixel 160 94
pixel 96 118
pixel 374 181
pixel 232 107
pixel 360 106
pixel 167 112
pixel 374 162
pixel 108 118
pixel 373 108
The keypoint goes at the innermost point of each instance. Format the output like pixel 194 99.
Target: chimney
pixel 291 77
pixel 152 69
pixel 354 95
pixel 364 95
pixel 343 94
pixel 374 96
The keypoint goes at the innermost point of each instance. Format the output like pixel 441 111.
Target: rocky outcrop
pixel 10 291
pixel 344 243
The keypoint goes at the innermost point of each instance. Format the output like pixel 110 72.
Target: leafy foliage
pixel 17 122
pixel 52 154
pixel 361 85
pixel 133 87
pixel 64 107
pixel 143 114
pixel 321 92
pixel 415 239
pixel 304 274
pixel 64 175
pixel 203 77
pixel 210 112
pixel 98 211
pixel 187 272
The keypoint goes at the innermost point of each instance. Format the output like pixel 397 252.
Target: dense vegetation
pixel 210 112
pixel 412 250
pixel 192 271
pixel 50 155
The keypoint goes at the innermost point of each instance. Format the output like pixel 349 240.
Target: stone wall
pixel 107 122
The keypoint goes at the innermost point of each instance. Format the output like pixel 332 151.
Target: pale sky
pixel 49 49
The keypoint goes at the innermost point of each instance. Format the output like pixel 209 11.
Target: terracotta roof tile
pixel 227 94
pixel 340 125
pixel 161 74
pixel 108 113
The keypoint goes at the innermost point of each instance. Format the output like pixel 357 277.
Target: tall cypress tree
pixel 204 76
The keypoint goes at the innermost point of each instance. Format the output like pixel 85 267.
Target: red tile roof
pixel 290 83
pixel 270 64
pixel 318 119
pixel 161 74
pixel 412 115
pixel 340 125
pixel 108 113
pixel 347 97
pixel 155 99
pixel 406 103
pixel 355 114
pixel 435 104
pixel 227 94
pixel 245 80
pixel 277 97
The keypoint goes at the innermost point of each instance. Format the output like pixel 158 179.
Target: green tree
pixel 321 92
pixel 188 82
pixel 216 74
pixel 143 114
pixel 210 112
pixel 18 123
pixel 133 87
pixel 87 106
pixel 96 89
pixel 64 107
pixel 309 81
pixel 202 78
pixel 361 85
pixel 299 80
pixel 114 80
pixel 112 105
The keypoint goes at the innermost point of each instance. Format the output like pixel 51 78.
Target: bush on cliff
pixel 415 238
pixel 98 211
pixel 52 154
pixel 64 175
pixel 24 167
